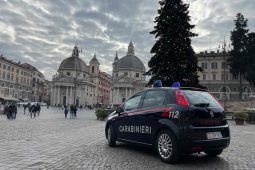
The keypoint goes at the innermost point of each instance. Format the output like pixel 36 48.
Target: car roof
pixel 174 88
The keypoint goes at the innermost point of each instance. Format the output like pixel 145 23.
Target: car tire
pixel 167 147
pixel 214 153
pixel 111 137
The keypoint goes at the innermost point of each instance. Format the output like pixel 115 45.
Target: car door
pixel 126 121
pixel 153 105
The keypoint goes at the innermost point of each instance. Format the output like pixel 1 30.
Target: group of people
pixel 72 109
pixel 11 111
pixel 33 109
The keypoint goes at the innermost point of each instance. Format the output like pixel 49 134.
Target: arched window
pixel 93 69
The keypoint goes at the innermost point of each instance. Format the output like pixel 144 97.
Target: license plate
pixel 213 135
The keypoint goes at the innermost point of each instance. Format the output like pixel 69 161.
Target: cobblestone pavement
pixel 52 142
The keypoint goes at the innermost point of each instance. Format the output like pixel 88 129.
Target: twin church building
pixel 78 83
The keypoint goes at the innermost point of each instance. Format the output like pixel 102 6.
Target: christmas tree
pixel 173 57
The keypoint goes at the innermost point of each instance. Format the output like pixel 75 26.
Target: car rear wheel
pixel 111 137
pixel 166 145
pixel 214 153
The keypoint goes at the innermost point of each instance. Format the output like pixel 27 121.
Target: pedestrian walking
pixel 74 111
pixel 65 111
pixel 13 110
pixel 71 110
pixel 25 107
pixel 38 108
pixel 33 111
pixel 7 111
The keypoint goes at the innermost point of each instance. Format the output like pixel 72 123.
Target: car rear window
pixel 200 97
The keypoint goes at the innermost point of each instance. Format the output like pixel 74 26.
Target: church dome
pixel 69 63
pixel 130 61
pixel 94 60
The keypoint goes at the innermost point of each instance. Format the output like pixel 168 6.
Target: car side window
pixel 154 99
pixel 132 103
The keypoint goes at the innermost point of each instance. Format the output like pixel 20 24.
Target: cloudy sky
pixel 43 33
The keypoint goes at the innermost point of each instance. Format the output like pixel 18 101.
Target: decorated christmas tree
pixel 173 57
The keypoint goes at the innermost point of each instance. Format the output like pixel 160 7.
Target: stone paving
pixel 52 142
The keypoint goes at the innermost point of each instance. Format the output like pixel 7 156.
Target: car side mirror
pixel 119 110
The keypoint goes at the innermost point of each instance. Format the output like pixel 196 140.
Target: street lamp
pixel 223 45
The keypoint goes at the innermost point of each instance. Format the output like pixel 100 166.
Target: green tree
pixel 250 75
pixel 238 55
pixel 173 57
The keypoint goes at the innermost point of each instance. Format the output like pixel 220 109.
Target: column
pixel 118 98
pixel 55 95
pixel 59 95
pixel 71 95
pixel 66 94
pixel 130 92
pixel 126 93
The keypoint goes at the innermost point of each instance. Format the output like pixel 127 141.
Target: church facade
pixel 127 76
pixel 80 84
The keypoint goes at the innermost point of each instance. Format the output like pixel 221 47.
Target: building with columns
pixel 127 76
pixel 78 83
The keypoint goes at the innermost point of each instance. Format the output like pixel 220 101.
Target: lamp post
pixel 223 46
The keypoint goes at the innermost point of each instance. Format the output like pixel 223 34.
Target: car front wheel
pixel 111 137
pixel 166 145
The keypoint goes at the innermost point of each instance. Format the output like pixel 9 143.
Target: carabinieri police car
pixel 173 120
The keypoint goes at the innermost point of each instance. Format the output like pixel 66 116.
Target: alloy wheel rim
pixel 165 146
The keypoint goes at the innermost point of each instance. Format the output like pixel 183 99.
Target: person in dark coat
pixel 65 111
pixel 38 108
pixel 71 111
pixel 7 111
pixel 13 111
pixel 74 111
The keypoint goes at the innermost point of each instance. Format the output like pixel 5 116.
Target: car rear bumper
pixel 197 141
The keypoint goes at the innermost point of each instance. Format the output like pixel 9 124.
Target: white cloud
pixel 43 33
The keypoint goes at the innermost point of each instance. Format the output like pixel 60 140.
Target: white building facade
pixel 75 82
pixel 127 76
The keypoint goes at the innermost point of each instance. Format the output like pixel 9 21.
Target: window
pixel 136 74
pixel 214 76
pixel 125 74
pixel 154 98
pixel 4 66
pixel 21 72
pixel 133 103
pixel 204 65
pixel 8 76
pixel 235 77
pixel 93 69
pixel 17 71
pixel 214 65
pixel 197 97
pixel 224 65
pixel 3 76
pixel 68 73
pixel 204 76
pixel 12 69
pixel 0 65
pixel 17 80
pixel 9 68
pixel 226 76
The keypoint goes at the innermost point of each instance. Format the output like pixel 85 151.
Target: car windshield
pixel 200 98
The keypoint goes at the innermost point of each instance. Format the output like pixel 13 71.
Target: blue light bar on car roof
pixel 176 84
pixel 157 83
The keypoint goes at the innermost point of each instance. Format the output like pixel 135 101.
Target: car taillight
pixel 181 99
